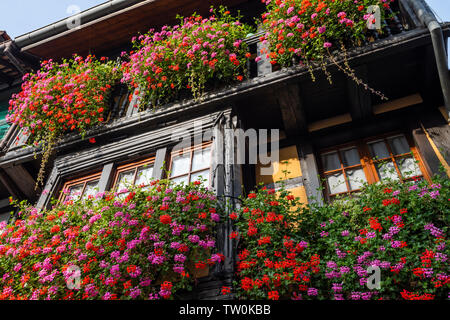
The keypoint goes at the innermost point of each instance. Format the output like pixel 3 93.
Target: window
pixel 134 174
pixel 345 169
pixel 80 188
pixel 392 159
pixel 188 166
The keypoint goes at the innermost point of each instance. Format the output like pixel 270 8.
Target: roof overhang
pixel 106 27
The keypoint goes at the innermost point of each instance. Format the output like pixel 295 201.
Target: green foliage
pixel 400 228
pixel 144 244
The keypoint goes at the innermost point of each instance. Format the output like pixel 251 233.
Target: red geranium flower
pixel 273 295
pixel 226 290
pixel 165 219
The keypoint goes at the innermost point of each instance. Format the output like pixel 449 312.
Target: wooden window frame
pixel 85 180
pixel 393 157
pixel 362 165
pixel 132 165
pixel 191 150
pixel 368 163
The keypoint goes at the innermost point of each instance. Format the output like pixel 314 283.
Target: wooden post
pixel 432 137
pixel 158 167
pixel 310 172
pixel 50 188
pixel 106 178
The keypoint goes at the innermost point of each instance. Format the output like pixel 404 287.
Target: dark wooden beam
pixel 6 79
pixel 359 97
pixel 292 110
pixel 8 64
pixel 429 80
pixel 10 185
pixel 4 203
pixel 431 161
pixel 28 59
pixel 24 181
pixel 431 135
pixel 14 60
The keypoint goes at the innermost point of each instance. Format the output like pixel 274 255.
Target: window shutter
pixel 158 169
pixel 106 177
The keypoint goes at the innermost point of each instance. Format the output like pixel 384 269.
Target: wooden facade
pixel 313 118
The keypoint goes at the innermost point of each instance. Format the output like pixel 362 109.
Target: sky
pixel 440 7
pixel 18 17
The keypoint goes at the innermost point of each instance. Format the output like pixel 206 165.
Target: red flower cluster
pixel 201 50
pixel 387 202
pixel 165 219
pixel 375 225
pixel 415 296
pixel 121 252
pixel 63 97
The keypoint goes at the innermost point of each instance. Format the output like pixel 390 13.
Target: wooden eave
pixel 115 30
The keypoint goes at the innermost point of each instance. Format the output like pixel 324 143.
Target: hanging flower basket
pixel 71 96
pixel 196 55
pixel 309 32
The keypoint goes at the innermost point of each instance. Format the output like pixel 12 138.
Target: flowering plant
pixel 272 263
pixel 62 97
pixel 188 56
pixel 402 229
pixel 141 244
pixel 306 30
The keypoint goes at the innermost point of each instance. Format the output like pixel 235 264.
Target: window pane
pixel 350 157
pixel 331 161
pixel 91 189
pixel 181 179
pixel 408 167
pixel 203 174
pixel 336 183
pixel 144 175
pixel 125 179
pixel 379 150
pixel 399 145
pixel 180 164
pixel 75 192
pixel 386 170
pixel 356 178
pixel 201 159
